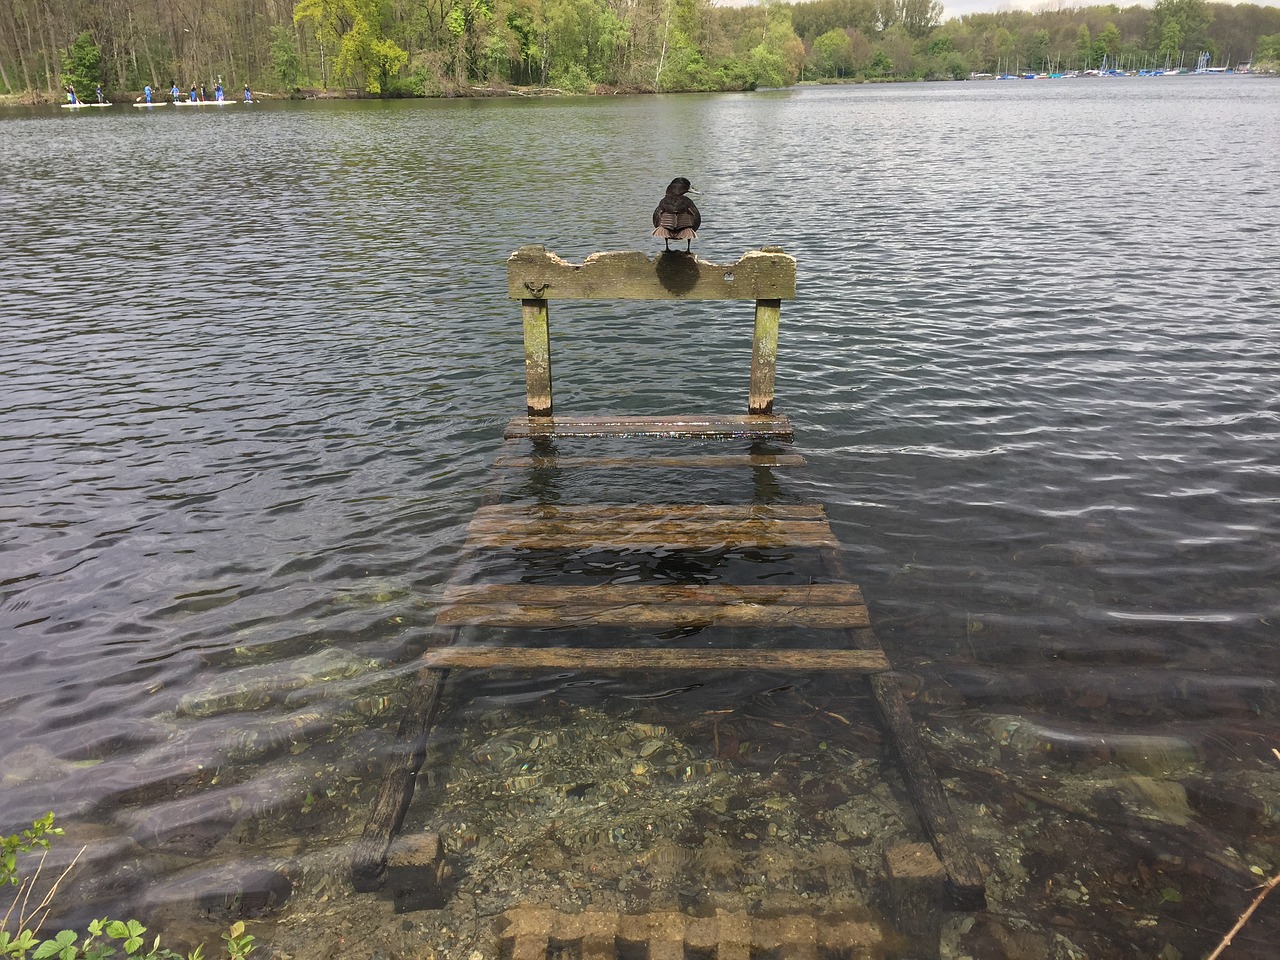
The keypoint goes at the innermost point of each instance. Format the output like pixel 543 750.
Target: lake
pixel 257 364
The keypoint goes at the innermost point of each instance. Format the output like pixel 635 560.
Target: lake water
pixel 257 362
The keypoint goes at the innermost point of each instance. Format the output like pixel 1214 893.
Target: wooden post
pixel 764 357
pixel 537 357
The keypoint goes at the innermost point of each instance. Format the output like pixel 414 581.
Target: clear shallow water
pixel 257 363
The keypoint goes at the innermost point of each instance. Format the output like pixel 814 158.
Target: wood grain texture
pixel 822 606
pixel 537 357
pixel 710 426
pixel 534 272
pixel 708 461
pixel 681 526
pixel 618 658
pixel 764 357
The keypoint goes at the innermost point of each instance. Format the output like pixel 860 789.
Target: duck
pixel 676 217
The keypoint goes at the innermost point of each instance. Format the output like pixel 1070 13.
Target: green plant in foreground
pixel 104 938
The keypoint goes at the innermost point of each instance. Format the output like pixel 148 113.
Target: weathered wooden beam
pixel 507 514
pixel 764 357
pixel 531 615
pixel 369 853
pixel 672 534
pixel 634 526
pixel 537 357
pixel 815 594
pixel 767 274
pixel 709 461
pixel 965 884
pixel 618 658
pixel 708 426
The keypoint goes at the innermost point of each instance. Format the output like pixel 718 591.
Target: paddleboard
pixel 77 106
pixel 158 103
pixel 202 103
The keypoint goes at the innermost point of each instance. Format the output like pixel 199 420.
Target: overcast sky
pixel 958 8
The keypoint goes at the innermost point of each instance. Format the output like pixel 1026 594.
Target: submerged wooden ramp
pixel 836 607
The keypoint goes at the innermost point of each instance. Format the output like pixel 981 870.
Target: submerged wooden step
pixel 621 658
pixel 827 605
pixel 647 526
pixel 709 461
pixel 723 426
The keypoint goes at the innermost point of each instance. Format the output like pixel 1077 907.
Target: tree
pixel 1190 18
pixel 356 28
pixel 1170 41
pixel 285 62
pixel 834 53
pixel 1084 47
pixel 880 64
pixel 1107 44
pixel 1038 50
pixel 82 64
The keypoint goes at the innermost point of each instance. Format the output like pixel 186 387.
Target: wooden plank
pixel 762 534
pixel 965 884
pixel 710 461
pixel 537 357
pixel 506 514
pixel 764 357
pixel 710 426
pixel 645 526
pixel 821 606
pixel 820 594
pixel 497 614
pixel 369 853
pixel 617 658
pixel 766 274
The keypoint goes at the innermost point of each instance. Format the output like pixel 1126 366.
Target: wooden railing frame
pixel 536 276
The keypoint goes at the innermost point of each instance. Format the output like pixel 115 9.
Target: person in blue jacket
pixel 174 91
pixel 217 92
pixel 146 93
pixel 248 97
pixel 71 93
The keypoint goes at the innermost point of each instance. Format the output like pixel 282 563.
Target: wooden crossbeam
pixel 626 658
pixel 710 461
pixel 647 526
pixel 828 606
pixel 534 272
pixel 707 426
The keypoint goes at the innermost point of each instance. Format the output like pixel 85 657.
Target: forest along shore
pixel 502 48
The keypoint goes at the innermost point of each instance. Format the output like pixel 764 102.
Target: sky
pixel 958 8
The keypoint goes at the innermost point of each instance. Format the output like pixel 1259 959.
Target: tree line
pixel 461 47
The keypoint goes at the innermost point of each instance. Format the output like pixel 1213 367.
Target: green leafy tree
pixel 1170 42
pixel 880 65
pixel 1084 47
pixel 82 64
pixel 364 53
pixel 834 53
pixel 1266 57
pixel 1038 50
pixel 286 64
pixel 1108 44
pixel 1191 18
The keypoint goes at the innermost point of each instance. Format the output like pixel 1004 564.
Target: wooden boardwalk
pixel 835 608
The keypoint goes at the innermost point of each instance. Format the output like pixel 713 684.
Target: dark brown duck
pixel 676 217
